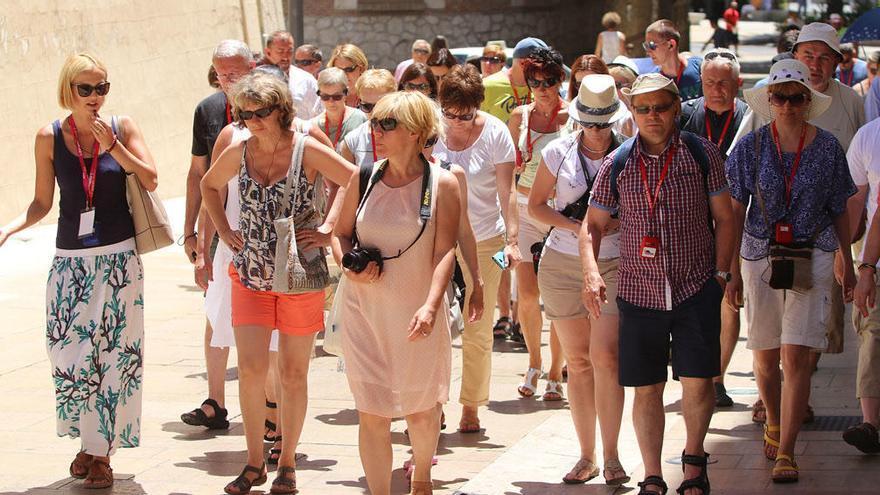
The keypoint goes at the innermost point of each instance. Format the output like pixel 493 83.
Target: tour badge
pixel 784 233
pixel 650 246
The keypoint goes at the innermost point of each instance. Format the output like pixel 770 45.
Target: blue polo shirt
pixel 690 86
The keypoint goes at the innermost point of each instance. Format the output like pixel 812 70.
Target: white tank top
pixel 610 45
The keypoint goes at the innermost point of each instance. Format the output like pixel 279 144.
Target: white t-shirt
pixel 304 90
pixel 360 143
pixel 864 165
pixel 561 157
pixel 845 115
pixel 494 146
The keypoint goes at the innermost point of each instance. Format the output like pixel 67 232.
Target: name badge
pixel 650 246
pixel 784 233
pixel 86 223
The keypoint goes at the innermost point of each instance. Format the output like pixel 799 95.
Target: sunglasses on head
pixel 796 100
pixel 366 107
pixel 715 54
pixel 454 116
pixel 386 124
pixel 595 125
pixel 491 60
pixel 336 97
pixel 261 113
pixel 306 62
pixel 349 69
pixel 546 83
pixel 421 51
pixel 85 90
pixel 646 109
pixel 416 87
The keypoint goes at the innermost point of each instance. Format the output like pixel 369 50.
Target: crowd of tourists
pixel 647 216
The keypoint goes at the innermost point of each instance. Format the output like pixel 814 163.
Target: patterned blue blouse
pixel 819 193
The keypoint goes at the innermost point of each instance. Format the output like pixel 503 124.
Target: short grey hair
pixel 422 44
pixel 232 49
pixel 332 76
pixel 848 48
pixel 732 63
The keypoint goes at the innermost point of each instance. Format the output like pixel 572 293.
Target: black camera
pixel 358 258
pixel 578 209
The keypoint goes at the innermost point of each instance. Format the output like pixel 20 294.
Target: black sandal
pixel 701 482
pixel 243 484
pixel 271 425
pixel 284 484
pixel 274 453
pixel 502 326
pixel 655 481
pixel 515 334
pixel 197 416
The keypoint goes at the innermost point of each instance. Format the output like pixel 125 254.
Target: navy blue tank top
pixel 112 218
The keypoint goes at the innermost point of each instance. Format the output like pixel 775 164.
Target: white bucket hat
pixel 597 101
pixel 819 31
pixel 786 71
pixel 625 62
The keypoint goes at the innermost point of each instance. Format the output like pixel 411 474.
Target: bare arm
pixel 318 134
pixel 134 155
pixel 343 235
pixel 513 127
pixel 467 241
pixel 599 45
pixel 447 213
pixel 734 287
pixel 622 43
pixel 866 289
pixel 855 208
pixel 345 152
pixel 44 186
pixel 504 179
pixel 841 228
pixel 725 232
pixel 198 166
pixel 212 185
pixel 589 240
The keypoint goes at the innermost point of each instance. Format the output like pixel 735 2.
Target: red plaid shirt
pixel 686 258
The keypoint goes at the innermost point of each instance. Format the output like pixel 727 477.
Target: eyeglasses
pixel 349 69
pixel 490 60
pixel 261 113
pixel 85 90
pixel 464 118
pixel 650 46
pixel 546 83
pixel 306 62
pixel 713 54
pixel 336 97
pixel 595 125
pixel 431 141
pixel 417 87
pixel 421 51
pixel 796 100
pixel 646 109
pixel 387 124
pixel 366 107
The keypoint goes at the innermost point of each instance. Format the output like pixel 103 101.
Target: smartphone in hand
pixel 500 259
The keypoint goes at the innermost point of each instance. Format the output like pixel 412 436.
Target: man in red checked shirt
pixel 731 18
pixel 673 271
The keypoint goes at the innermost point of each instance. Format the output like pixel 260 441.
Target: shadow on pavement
pixel 540 488
pixel 190 433
pixel 227 463
pixel 231 374
pixel 345 417
pixel 122 483
pixel 525 406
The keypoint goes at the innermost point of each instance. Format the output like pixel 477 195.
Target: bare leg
pixel 557 359
pixel 609 393
pixel 574 335
pixel 424 433
pixel 795 393
pixel 216 359
pixel 274 394
pixel 729 336
pixel 252 346
pixel 697 404
pixel 769 381
pixel 649 421
pixel 871 410
pixel 374 444
pixel 529 311
pixel 504 295
pixel 294 352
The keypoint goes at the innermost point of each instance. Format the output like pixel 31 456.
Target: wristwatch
pixel 723 275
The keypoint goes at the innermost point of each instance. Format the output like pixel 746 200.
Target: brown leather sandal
pixel 285 482
pixel 243 484
pixel 100 475
pixel 79 467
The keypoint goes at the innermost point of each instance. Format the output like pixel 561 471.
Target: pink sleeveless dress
pixel 388 375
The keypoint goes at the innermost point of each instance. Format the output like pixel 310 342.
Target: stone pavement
pixel 526 448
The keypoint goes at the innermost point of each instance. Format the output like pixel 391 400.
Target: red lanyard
pixel 373 144
pixel 852 75
pixel 228 113
pixel 526 99
pixel 723 130
pixel 652 199
pixel 789 181
pixel 531 144
pixel 88 177
pixel 680 72
pixel 338 129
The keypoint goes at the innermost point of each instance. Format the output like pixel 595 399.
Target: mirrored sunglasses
pixel 491 60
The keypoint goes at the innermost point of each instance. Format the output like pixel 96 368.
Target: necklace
pixel 468 140
pixel 271 163
pixel 584 147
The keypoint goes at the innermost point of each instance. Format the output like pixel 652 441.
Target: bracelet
pixel 113 145
pixel 868 265
pixel 182 240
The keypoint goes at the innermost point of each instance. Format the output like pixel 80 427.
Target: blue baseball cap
pixel 526 46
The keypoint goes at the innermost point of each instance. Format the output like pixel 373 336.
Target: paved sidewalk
pixel 526 448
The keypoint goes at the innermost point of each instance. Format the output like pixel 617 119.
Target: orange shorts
pixel 291 314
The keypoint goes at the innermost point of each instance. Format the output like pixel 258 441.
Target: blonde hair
pixel 264 90
pixel 352 53
pixel 74 66
pixel 611 20
pixel 413 110
pixel 332 76
pixel 376 79
pixel 496 50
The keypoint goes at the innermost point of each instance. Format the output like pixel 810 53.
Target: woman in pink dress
pixel 395 243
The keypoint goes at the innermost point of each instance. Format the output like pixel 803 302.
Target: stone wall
pixel 157 54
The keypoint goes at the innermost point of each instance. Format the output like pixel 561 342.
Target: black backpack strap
pixel 365 172
pixel 445 165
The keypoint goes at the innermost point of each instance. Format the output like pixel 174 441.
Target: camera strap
pixel 426 197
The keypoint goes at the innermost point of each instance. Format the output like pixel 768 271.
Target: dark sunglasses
pixel 650 45
pixel 464 118
pixel 335 97
pixel 645 109
pixel 366 107
pixel 796 100
pixel 421 51
pixel 416 87
pixel 349 69
pixel 261 113
pixel 431 141
pixel 85 90
pixel 491 60
pixel 306 62
pixel 546 83
pixel 387 124
pixel 715 54
pixel 595 125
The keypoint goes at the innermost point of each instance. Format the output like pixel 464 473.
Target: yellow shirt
pixel 502 98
